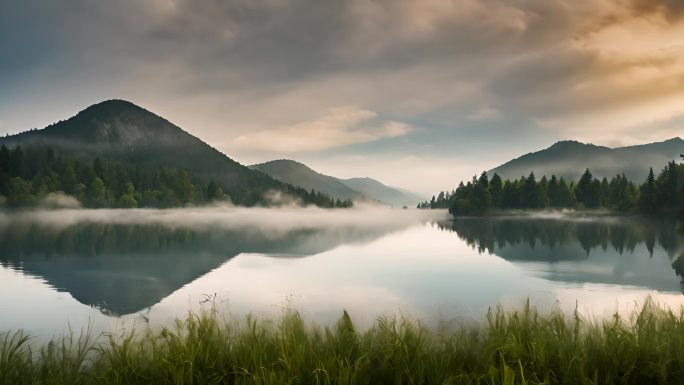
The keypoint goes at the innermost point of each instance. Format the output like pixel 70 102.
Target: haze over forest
pixel 418 95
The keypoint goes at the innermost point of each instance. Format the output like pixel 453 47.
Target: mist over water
pixel 112 268
pixel 263 220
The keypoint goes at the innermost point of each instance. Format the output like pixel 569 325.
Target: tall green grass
pixel 516 347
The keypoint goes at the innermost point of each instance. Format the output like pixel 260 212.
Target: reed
pixel 509 347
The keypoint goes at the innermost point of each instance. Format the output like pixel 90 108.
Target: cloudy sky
pixel 416 93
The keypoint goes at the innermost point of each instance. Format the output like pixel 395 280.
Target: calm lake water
pixel 110 269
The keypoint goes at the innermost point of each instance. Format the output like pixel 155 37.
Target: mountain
pixel 378 191
pixel 298 174
pixel 570 158
pixel 119 130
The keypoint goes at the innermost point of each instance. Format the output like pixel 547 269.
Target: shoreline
pixel 519 346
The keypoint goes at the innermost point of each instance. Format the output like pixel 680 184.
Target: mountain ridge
pixel 299 174
pixel 569 158
pixel 118 130
pixel 362 188
pixel 394 196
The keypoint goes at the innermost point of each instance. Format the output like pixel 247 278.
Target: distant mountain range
pixel 570 158
pixel 394 196
pixel 298 174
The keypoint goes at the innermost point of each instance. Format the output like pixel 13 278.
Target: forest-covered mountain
pixel 569 159
pixel 391 195
pixel 645 178
pixel 298 174
pixel 128 139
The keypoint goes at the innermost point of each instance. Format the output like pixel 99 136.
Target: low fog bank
pixel 227 217
pixel 560 214
pixel 59 200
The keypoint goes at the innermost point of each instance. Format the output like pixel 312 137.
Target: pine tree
pixel 215 192
pixel 97 194
pixel 543 192
pixel 566 197
pixel 481 199
pixel 530 192
pixel 552 192
pixel 496 190
pixel 647 201
pixel 588 190
pixel 670 193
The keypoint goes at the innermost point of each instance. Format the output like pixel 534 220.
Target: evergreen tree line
pixel 661 194
pixel 28 175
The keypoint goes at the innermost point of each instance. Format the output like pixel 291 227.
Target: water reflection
pixel 124 268
pixel 371 263
pixel 616 251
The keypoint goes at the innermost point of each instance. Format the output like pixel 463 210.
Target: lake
pixel 110 269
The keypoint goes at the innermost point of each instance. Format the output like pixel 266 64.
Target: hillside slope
pixel 570 158
pixel 298 174
pixel 383 193
pixel 121 131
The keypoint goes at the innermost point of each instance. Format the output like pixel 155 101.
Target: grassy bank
pixel 518 347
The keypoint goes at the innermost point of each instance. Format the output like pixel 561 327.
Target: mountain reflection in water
pixel 122 262
pixel 122 268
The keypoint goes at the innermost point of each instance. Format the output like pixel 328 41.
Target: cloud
pixel 467 72
pixel 485 113
pixel 671 10
pixel 337 127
